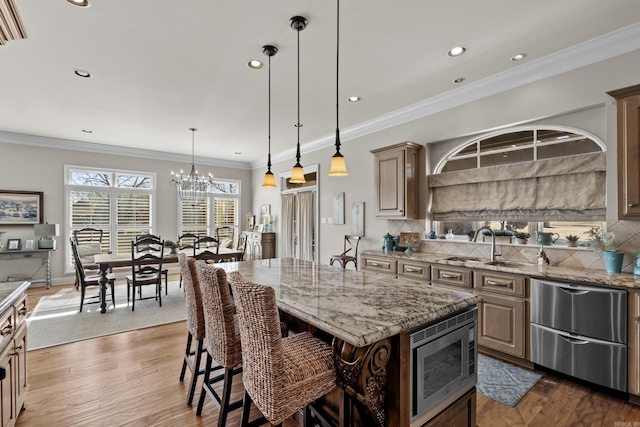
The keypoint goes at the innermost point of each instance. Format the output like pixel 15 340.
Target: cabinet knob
pixel 6 330
pixel 633 205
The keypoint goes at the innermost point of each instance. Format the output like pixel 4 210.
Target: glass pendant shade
pixel 338 166
pixel 297 175
pixel 269 180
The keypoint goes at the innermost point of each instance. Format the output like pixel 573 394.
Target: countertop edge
pixel 8 301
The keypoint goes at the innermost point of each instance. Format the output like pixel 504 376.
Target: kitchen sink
pixel 462 258
pixel 508 264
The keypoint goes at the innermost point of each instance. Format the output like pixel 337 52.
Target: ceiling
pixel 161 67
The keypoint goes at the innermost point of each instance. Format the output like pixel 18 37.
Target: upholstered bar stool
pixel 195 323
pixel 281 375
pixel 222 338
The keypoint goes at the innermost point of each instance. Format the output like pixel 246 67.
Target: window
pixel 517 145
pixel 118 202
pixel 222 209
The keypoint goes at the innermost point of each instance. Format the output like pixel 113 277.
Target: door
pixel 502 324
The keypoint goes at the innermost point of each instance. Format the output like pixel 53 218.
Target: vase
pixel 522 241
pixel 613 261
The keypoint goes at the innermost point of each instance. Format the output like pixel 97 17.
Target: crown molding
pixel 610 45
pixel 66 144
pixel 11 27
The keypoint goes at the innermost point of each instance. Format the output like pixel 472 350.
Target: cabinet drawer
pixel 501 283
pixel 379 265
pixel 460 277
pixel 414 269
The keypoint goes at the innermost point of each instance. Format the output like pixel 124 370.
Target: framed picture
pixel 265 211
pixel 409 240
pixel 357 218
pixel 21 207
pixel 258 227
pixel 13 244
pixel 28 244
pixel 338 208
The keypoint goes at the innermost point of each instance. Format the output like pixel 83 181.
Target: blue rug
pixel 502 382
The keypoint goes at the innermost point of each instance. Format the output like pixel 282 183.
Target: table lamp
pixel 45 232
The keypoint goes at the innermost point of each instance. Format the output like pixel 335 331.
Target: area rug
pixel 56 319
pixel 502 382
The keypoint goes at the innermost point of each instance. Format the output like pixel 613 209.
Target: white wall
pixel 34 168
pixel 546 101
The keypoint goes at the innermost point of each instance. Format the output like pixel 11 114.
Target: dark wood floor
pixel 132 379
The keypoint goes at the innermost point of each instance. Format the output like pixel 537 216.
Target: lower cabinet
pixel 260 245
pixel 379 264
pixel 633 344
pixel 503 319
pixel 13 358
pixel 462 413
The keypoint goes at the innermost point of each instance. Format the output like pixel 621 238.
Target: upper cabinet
pixel 396 181
pixel 628 100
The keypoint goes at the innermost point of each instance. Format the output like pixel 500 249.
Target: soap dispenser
pixel 449 235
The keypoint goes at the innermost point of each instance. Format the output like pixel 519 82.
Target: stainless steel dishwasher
pixel 581 331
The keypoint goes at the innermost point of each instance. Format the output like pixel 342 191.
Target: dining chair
pixel 195 323
pixel 152 247
pixel 224 235
pixel 186 241
pixel 206 247
pixel 241 246
pixel 88 244
pixel 351 242
pixel 280 375
pixel 146 269
pixel 222 338
pixel 85 281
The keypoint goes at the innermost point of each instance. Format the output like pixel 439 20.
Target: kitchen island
pixel 370 318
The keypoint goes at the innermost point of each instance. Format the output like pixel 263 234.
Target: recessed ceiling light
pixel 460 79
pixel 457 51
pixel 238 152
pixel 354 98
pixel 519 57
pixel 82 73
pixel 79 3
pixel 254 64
pixel 87 131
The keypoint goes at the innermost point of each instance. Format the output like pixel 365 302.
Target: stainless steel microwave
pixel 444 359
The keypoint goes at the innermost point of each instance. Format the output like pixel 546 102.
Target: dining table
pixel 107 262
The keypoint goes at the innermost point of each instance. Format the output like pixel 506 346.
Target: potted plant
pixel 171 245
pixel 572 241
pixel 502 236
pixel 522 237
pixel 471 234
pixel 602 242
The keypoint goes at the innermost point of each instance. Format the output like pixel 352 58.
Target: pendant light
pixel 298 23
pixel 269 179
pixel 338 165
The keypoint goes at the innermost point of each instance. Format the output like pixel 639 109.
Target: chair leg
pixel 246 408
pixel 113 294
pixel 166 283
pixel 196 371
pixel 226 395
pixel 205 381
pixel 187 354
pixel 82 290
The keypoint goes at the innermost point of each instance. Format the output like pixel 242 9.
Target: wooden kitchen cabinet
pixel 260 245
pixel 633 345
pixel 412 269
pixel 503 323
pixel 458 277
pixel 13 357
pixel 379 264
pixel 628 111
pixel 460 414
pixel 396 181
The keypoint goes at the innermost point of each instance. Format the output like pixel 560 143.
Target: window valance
pixel 565 188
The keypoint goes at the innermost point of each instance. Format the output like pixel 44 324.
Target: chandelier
pixel 192 189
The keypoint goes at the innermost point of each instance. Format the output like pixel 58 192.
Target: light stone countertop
pixel 360 308
pixel 583 275
pixel 10 292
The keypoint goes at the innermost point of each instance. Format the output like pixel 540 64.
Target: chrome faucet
pixel 493 240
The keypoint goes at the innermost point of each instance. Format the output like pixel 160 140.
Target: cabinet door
pixel 389 184
pixel 462 413
pixel 7 396
pixel 633 348
pixel 628 100
pixel 502 324
pixel 20 366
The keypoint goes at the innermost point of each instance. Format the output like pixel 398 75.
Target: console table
pixel 44 254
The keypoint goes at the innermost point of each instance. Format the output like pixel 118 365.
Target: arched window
pixel 523 158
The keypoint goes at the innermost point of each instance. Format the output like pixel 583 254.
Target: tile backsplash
pixel 627 240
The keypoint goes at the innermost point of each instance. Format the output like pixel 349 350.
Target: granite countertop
pixel 9 293
pixel 358 307
pixel 583 275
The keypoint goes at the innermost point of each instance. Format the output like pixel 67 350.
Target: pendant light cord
pixel 269 155
pixel 298 125
pixel 337 71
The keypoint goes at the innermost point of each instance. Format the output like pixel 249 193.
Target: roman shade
pixel 565 188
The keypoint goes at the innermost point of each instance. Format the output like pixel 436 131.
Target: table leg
pixel 48 267
pixel 103 287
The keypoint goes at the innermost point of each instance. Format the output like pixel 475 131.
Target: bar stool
pixel 195 323
pixel 223 340
pixel 281 375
